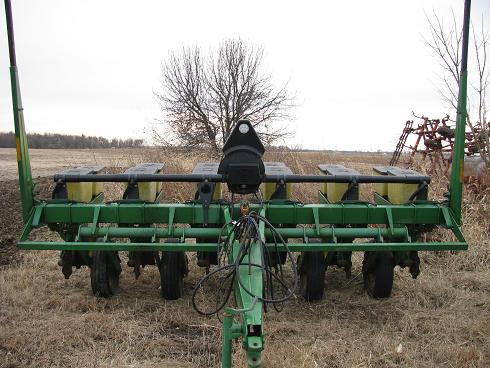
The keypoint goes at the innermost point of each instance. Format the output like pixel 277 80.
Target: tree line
pixel 51 140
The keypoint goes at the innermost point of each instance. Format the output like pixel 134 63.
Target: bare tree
pixel 445 44
pixel 203 96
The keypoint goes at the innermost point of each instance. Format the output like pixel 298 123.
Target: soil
pixel 10 221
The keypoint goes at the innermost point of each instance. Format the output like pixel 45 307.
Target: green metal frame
pixel 23 163
pixel 399 221
pixel 457 165
pixel 387 226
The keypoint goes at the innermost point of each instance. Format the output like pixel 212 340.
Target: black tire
pixel 104 273
pixel 378 272
pixel 312 275
pixel 173 268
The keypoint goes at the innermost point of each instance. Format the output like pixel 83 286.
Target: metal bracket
pixel 334 236
pixel 316 217
pixel 352 191
pixel 408 238
pixel 37 215
pixel 159 196
pixel 27 228
pixel 154 237
pixel 457 232
pixel 182 238
pixel 98 199
pixel 171 215
pixel 132 190
pixel 78 237
pixel 205 195
pixel 389 216
pixel 322 199
pixel 305 238
pixel 448 222
pixel 106 236
pixel 95 219
pixel 379 199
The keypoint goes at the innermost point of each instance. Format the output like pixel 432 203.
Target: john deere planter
pixel 258 248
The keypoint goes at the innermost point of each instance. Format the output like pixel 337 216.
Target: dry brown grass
pixel 441 319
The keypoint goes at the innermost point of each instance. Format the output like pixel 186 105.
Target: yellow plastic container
pixel 335 191
pixel 268 190
pixel 275 168
pixel 147 191
pixel 159 185
pixel 80 192
pixel 217 193
pixel 97 188
pixel 381 188
pixel 400 193
pixel 83 192
pixel 209 168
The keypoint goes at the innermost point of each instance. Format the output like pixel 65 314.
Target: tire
pixel 378 272
pixel 173 268
pixel 104 273
pixel 312 275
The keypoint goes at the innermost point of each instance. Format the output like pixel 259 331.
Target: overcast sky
pixel 358 68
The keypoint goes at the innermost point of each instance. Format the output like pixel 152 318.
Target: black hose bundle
pixel 246 231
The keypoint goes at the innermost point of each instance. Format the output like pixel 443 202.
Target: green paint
pixel 209 247
pixel 23 164
pixel 456 183
pixel 429 213
pixel 457 165
pixel 396 220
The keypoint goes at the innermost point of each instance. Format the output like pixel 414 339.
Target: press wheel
pixel 104 273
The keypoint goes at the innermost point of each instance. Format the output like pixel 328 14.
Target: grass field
pixel 441 319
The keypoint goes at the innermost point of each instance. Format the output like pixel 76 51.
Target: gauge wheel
pixel 173 268
pixel 104 273
pixel 312 270
pixel 378 272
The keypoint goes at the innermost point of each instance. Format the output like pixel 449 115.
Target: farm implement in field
pixel 434 139
pixel 257 244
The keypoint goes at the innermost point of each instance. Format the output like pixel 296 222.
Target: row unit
pixel 396 193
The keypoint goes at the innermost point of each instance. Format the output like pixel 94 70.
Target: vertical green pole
pixel 227 341
pixel 24 167
pixel 456 183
